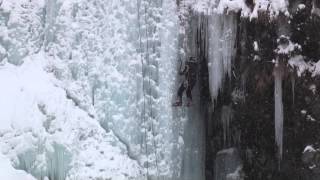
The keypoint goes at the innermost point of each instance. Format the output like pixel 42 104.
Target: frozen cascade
pixel 57 161
pixel 222 39
pixel 21 28
pixel 73 34
pixel 278 110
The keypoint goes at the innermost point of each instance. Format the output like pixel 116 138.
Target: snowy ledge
pixel 273 7
pixel 46 134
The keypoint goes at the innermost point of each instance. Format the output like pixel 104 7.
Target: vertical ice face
pixel 121 57
pixel 50 14
pixel 55 166
pixel 222 39
pixel 137 75
pixel 278 110
pixel 20 29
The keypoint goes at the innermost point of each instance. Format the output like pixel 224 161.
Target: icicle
pixel 222 37
pixel 226 118
pixel 278 111
pixel 293 82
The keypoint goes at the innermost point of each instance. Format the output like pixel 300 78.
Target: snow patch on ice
pixel 7 172
pixel 278 6
pixel 233 6
pixel 272 7
pixel 297 62
pixel 316 69
pixel 309 149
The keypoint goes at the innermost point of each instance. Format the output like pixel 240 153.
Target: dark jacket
pixel 190 72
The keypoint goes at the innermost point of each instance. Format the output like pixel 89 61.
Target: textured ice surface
pixel 47 135
pixel 9 173
pixel 222 39
pixel 112 62
pixel 116 64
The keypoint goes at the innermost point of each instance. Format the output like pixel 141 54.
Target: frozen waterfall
pixel 105 73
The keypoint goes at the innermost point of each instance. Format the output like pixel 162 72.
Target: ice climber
pixel 190 77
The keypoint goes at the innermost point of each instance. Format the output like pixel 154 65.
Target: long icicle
pixel 278 111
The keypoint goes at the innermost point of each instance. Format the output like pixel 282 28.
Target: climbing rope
pixel 151 117
pixel 143 119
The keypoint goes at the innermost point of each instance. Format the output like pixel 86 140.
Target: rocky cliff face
pixel 266 104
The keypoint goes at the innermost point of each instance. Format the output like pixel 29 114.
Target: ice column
pixel 278 109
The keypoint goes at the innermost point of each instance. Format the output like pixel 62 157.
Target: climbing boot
pixel 178 103
pixel 189 102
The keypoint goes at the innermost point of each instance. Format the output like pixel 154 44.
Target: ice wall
pixel 20 29
pixel 132 77
pixel 46 134
pixel 74 41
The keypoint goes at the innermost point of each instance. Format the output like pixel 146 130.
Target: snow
pixel 20 19
pixel 313 88
pixel 45 133
pixel 286 47
pixel 202 6
pixel 272 7
pixel 260 6
pixel 303 111
pixel 278 6
pixel 228 151
pixel 309 149
pixel 301 6
pixel 104 72
pixel 255 46
pixel 233 6
pixel 86 86
pixel 7 172
pixel 315 69
pixel 297 62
